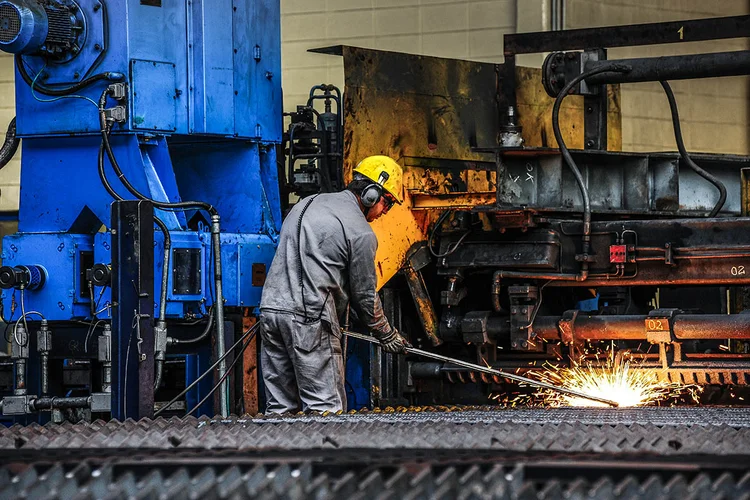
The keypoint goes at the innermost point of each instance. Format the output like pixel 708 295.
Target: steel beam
pixel 633 35
pixel 133 309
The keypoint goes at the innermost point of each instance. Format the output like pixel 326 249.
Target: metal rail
pixel 491 371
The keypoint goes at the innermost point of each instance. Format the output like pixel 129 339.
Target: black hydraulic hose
pixel 116 167
pixel 586 245
pixel 165 272
pixel 215 234
pixel 209 370
pixel 162 227
pixel 203 335
pixel 103 176
pixel 158 372
pixel 110 76
pixel 10 146
pixel 686 157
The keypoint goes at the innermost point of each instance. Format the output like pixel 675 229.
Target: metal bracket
pixel 660 330
pixel 474 327
pixel 660 326
pixel 524 300
pixel 567 326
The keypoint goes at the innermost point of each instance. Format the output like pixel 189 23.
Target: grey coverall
pixel 324 259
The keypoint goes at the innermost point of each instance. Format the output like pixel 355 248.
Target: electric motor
pixel 26 277
pixel 48 28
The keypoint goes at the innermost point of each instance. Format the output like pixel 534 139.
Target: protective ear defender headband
pixel 373 192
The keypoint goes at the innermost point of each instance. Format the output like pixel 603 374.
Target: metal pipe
pixel 652 69
pixel 685 327
pixel 219 306
pixel 491 371
pixel 59 403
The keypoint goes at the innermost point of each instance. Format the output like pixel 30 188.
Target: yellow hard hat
pixel 384 171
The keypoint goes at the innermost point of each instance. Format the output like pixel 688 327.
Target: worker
pixel 324 261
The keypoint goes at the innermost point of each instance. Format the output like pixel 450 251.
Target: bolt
pixel 524 310
pixel 97 6
pixel 524 344
pixel 143 357
pixel 514 344
pixel 589 110
pixel 97 47
pixel 590 143
pixel 514 310
pixel 76 75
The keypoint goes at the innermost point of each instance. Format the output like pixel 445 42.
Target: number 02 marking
pixel 738 271
pixel 655 325
pixel 681 31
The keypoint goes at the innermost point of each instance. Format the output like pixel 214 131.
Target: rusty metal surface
pixel 433 115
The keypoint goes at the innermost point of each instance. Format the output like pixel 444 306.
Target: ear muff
pixel 371 195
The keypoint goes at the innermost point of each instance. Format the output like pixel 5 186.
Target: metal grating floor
pixel 663 431
pixel 474 453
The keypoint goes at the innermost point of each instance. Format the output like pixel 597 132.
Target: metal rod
pixel 219 306
pixel 633 327
pixel 47 403
pixel 491 371
pixel 673 68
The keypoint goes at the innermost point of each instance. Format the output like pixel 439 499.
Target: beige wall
pixel 449 28
pixel 714 112
pixel 9 184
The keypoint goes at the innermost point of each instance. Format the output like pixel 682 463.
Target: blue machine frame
pixel 204 121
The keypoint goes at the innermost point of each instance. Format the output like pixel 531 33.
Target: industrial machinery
pixel 126 110
pixel 529 239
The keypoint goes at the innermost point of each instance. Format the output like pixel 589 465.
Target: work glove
pixel 392 342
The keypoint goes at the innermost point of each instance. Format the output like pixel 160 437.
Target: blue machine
pixel 189 96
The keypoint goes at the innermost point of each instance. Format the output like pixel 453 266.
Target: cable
pixel 91 330
pixel 215 230
pixel 10 146
pixel 686 157
pixel 210 368
pixel 615 67
pixel 223 377
pixel 65 96
pixel 23 318
pixel 104 128
pixel 203 335
pixel 451 248
pixel 165 272
pixel 111 76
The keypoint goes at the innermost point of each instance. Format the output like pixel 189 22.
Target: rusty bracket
pixel 567 326
pixel 524 299
pixel 659 326
pixel 660 330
